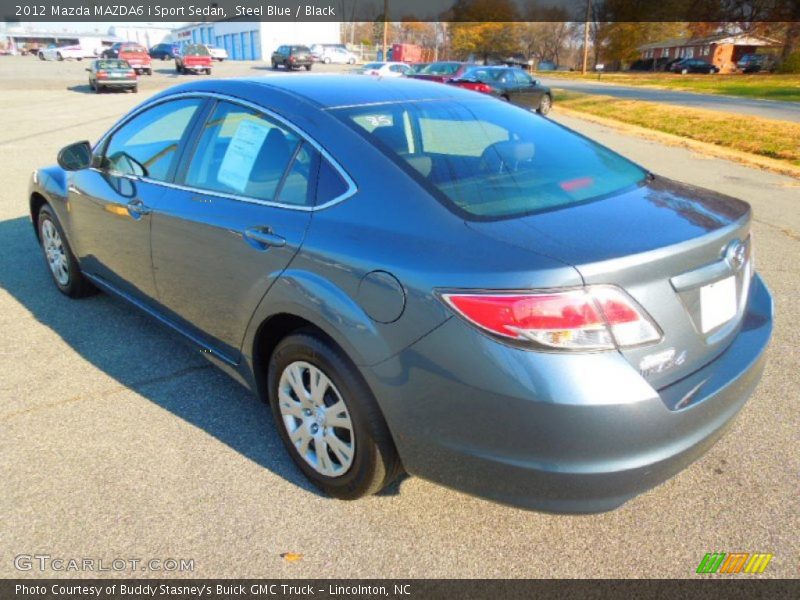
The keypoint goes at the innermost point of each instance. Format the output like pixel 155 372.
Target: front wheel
pixel 63 266
pixel 308 67
pixel 208 71
pixel 59 57
pixel 545 104
pixel 328 418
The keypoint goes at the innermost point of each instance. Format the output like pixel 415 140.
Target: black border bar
pixel 712 587
pixel 155 11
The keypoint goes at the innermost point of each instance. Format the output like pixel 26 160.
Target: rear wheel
pixel 135 89
pixel 328 419
pixel 63 266
pixel 59 57
pixel 208 71
pixel 308 67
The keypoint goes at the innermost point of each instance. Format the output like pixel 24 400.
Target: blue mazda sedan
pixel 420 278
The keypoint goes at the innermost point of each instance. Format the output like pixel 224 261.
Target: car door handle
pixel 263 237
pixel 137 208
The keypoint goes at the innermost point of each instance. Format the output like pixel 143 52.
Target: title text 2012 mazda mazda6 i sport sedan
pixel 419 277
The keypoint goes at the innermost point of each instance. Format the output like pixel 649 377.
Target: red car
pixel 138 58
pixel 193 57
pixel 442 71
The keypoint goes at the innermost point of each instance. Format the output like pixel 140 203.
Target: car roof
pixel 329 91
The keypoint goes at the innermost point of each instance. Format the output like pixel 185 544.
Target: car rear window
pixel 196 51
pixel 489 159
pixel 440 69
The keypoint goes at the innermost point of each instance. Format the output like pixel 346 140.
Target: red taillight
pixel 102 75
pixel 131 74
pixel 594 318
pixel 483 88
pixel 291 59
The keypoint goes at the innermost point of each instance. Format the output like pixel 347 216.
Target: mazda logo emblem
pixel 736 254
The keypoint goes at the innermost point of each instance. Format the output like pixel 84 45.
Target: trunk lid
pixel 197 60
pixel 664 243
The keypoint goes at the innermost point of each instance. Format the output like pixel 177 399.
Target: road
pixel 119 441
pixel 768 109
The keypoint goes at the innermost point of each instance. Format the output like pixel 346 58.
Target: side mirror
pixel 75 157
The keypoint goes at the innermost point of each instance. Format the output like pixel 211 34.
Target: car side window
pixel 146 146
pixel 245 153
pixel 330 184
pixel 523 78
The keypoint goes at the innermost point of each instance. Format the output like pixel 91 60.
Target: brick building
pixel 722 50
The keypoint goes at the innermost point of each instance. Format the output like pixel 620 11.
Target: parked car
pixel 756 63
pixel 165 51
pixel 385 69
pixel 507 83
pixel 338 56
pixel 546 65
pixel 442 71
pixel 693 65
pixel 420 277
pixel 509 60
pixel 112 74
pixel 53 52
pixel 217 53
pixel 417 67
pixel 195 58
pixel 292 57
pixel 135 54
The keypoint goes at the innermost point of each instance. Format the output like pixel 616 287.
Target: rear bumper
pixel 555 432
pixel 118 83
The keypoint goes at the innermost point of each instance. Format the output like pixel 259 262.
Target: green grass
pixel 764 137
pixel 763 86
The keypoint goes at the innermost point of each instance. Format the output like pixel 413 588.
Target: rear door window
pixel 245 153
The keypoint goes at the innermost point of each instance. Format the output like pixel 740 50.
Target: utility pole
pixel 385 28
pixel 586 37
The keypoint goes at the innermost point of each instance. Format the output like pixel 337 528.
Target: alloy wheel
pixel 316 419
pixel 55 253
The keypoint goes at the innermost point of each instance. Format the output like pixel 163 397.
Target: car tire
pixel 98 88
pixel 135 89
pixel 208 71
pixel 373 462
pixel 308 67
pixel 545 104
pixel 66 273
pixel 274 66
pixel 177 68
pixel 41 56
pixel 149 71
pixel 59 56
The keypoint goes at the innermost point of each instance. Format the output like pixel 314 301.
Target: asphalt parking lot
pixel 119 441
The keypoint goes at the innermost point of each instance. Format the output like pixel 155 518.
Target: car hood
pixel 659 213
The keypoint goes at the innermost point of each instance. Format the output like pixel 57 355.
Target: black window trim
pixel 189 140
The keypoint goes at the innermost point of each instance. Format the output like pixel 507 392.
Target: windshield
pixel 490 159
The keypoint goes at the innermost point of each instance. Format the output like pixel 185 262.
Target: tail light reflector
pixel 102 75
pixel 593 318
pixel 483 88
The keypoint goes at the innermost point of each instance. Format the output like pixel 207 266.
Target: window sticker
pixel 237 164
